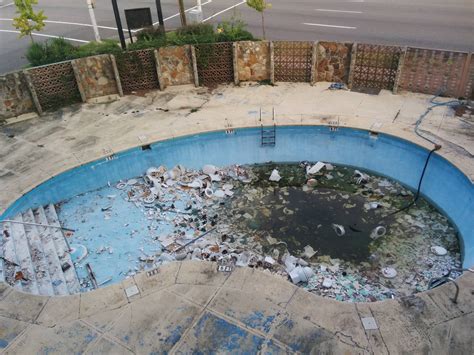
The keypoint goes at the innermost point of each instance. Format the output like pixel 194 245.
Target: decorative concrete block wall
pixel 15 97
pixel 96 76
pixel 432 71
pixel 253 61
pixel 175 66
pixel 333 61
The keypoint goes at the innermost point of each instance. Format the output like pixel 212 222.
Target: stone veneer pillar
pixel 272 64
pixel 352 66
pixel 314 61
pixel 235 62
pixel 195 68
pixel 161 83
pixel 77 75
pixel 116 74
pixel 401 62
pixel 33 93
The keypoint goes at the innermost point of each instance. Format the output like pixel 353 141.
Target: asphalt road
pixel 444 24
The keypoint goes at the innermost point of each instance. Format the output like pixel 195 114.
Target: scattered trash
pixel 275 176
pixel 437 250
pixel 327 283
pixel 361 178
pixel 389 272
pixel 315 168
pixel 369 323
pixel 378 232
pixel 340 231
pixel 308 252
pixel 237 217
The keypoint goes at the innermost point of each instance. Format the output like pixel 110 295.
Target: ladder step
pixel 38 257
pixel 54 264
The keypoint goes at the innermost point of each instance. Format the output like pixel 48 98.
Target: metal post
pixel 91 5
pixel 119 24
pixel 182 13
pixel 160 16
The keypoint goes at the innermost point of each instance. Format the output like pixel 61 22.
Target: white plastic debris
pixel 361 177
pixel 373 205
pixel 340 231
pixel 215 177
pixel 327 283
pixel 269 260
pixel 275 176
pixel 195 184
pixel 312 182
pixel 329 166
pixel 389 272
pixel 308 252
pixel 437 250
pixel 378 232
pixel 208 192
pixel 219 193
pixel 301 274
pixel 209 169
pixel 315 168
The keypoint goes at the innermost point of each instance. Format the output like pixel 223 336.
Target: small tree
pixel 260 6
pixel 28 21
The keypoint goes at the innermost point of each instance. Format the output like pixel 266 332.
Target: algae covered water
pixel 335 222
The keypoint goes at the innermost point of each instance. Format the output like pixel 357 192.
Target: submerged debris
pixel 284 218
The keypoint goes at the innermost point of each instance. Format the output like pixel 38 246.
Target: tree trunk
pixel 263 25
pixel 31 38
pixel 182 13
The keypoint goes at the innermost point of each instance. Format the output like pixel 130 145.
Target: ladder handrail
pixel 37 224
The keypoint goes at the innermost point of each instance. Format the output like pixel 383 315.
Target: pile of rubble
pixel 242 216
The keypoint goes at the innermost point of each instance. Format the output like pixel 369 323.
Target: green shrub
pixel 150 33
pixel 233 30
pixel 51 51
pixel 107 46
pixel 148 43
pixel 192 34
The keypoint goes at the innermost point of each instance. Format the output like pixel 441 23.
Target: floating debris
pixel 275 176
pixel 440 251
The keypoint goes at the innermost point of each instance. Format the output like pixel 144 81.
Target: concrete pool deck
pixel 190 306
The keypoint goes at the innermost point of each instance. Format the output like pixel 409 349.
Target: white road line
pixel 220 12
pixel 333 26
pixel 49 36
pixel 69 23
pixel 1 7
pixel 343 11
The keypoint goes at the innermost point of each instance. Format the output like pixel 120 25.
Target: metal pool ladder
pixel 268 132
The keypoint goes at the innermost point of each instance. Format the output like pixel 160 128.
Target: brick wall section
pixel 429 71
pixel 469 89
pixel 253 61
pixel 55 85
pixel 137 70
pixel 96 75
pixel 176 66
pixel 333 61
pixel 15 98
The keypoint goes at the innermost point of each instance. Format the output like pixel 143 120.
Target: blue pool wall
pixel 443 185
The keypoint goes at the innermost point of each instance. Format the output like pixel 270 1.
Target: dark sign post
pixel 119 24
pixel 160 16
pixel 138 18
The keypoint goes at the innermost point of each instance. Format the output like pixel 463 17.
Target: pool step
pixel 54 264
pixel 36 259
pixel 62 250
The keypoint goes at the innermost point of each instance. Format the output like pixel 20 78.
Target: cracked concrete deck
pixel 189 306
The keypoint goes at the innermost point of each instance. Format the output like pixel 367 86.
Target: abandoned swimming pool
pixel 380 154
